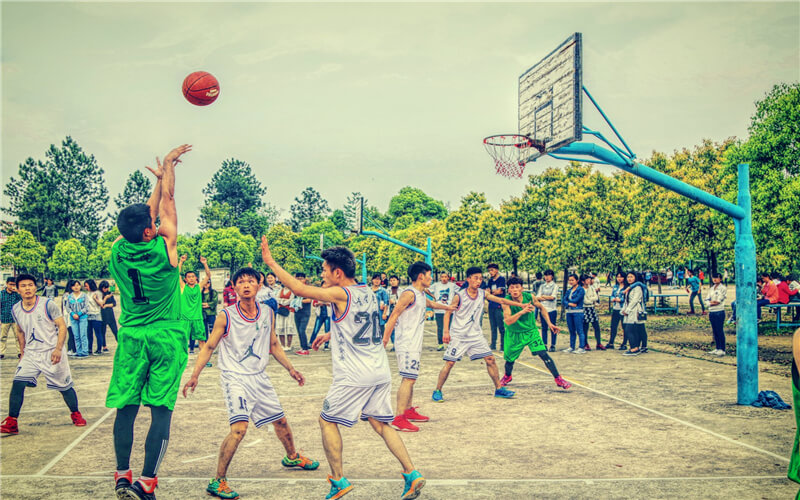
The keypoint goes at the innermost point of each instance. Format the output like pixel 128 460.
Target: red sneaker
pixel 402 424
pixel 505 380
pixel 302 352
pixel 78 419
pixel 9 426
pixel 562 383
pixel 600 347
pixel 412 416
pixel 587 348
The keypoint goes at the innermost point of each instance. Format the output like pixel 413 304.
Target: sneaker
pixel 191 351
pixel 9 426
pixel 437 396
pixel 718 352
pixel 413 416
pixel 122 483
pixel 77 419
pixel 286 348
pixel 105 349
pixel 138 490
pixel 579 351
pixel 440 347
pixel 712 351
pixel 505 380
pixel 209 365
pixel 301 462
pixel 302 352
pixel 3 356
pixel 562 383
pixel 326 347
pixel 704 313
pixel 400 423
pixel 610 346
pixel 587 348
pixel 219 488
pixel 503 393
pixel 552 348
pixel 98 352
pixel 339 488
pixel 568 349
pixel 600 347
pixel 643 350
pixel 632 353
pixel 623 347
pixel 414 483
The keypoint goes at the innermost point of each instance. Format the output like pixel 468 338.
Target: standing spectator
pixel 322 319
pixel 49 289
pixel 617 301
pixel 229 294
pixel 302 317
pixel 725 277
pixel 8 297
pixel 393 291
pixel 497 287
pixel 71 350
pixel 701 276
pixel 716 313
pixel 590 301
pixel 107 311
pixel 78 308
pixel 284 320
pixel 668 277
pixel 94 303
pixel 647 277
pixel 383 299
pixel 209 300
pixel 634 314
pixel 573 300
pixel 694 288
pixel 537 283
pixel 548 291
pixel 681 273
pixel 443 292
pixel 384 281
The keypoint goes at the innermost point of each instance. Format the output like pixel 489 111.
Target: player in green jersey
pixel 521 331
pixel 151 351
pixel 192 304
pixel 794 463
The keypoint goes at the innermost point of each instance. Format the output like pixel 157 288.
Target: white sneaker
pixel 579 351
pixel 719 352
pixel 568 349
pixel 713 351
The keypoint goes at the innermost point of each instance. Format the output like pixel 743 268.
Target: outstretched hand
pixel 203 260
pixel 175 155
pixel 301 380
pixel 159 172
pixel 266 255
pixel 320 341
pixel 183 258
pixel 190 385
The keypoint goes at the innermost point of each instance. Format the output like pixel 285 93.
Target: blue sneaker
pixel 414 483
pixel 437 396
pixel 503 393
pixel 339 488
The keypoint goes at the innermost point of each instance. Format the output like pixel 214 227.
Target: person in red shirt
pixel 769 291
pixel 229 294
pixel 785 293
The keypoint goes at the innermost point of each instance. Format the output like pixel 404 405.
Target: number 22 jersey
pixel 359 358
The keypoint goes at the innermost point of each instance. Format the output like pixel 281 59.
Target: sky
pixel 370 97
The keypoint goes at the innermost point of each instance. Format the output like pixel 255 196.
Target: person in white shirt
pixel 716 313
pixel 443 292
pixel 548 291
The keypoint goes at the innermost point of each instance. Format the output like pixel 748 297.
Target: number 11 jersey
pixel 359 358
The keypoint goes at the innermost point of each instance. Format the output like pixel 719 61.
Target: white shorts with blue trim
pixel 34 363
pixel 250 397
pixel 408 364
pixel 474 347
pixel 344 404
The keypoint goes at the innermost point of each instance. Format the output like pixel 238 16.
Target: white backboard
pixel 550 97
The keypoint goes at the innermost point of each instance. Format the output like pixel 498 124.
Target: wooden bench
pixel 777 310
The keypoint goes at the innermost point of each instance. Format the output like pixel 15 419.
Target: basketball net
pixel 510 153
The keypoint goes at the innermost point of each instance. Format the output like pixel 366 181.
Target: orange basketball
pixel 200 88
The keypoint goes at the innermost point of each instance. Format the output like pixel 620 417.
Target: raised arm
pixel 155 198
pixel 166 209
pixel 180 270
pixel 207 277
pixel 503 301
pixel 406 298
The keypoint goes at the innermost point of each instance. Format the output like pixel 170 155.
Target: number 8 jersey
pixel 359 358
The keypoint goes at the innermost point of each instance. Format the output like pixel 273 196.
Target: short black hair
pixel 514 281
pixel 417 268
pixel 271 274
pixel 538 275
pixel 245 271
pixel 11 279
pixel 71 283
pixel 493 266
pixel 340 258
pixel 133 220
pixel 187 274
pixel 573 275
pixel 716 275
pixel 376 276
pixel 92 285
pixel 299 275
pixel 585 277
pixel 103 284
pixel 474 270
pixel 22 277
pixel 394 277
pixel 549 272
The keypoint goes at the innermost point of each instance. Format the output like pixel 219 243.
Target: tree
pixel 225 247
pixel 462 228
pixel 59 198
pixel 414 202
pixel 69 258
pixel 235 184
pixel 138 189
pixel 187 245
pixel 101 255
pixel 283 244
pixel 308 208
pixel 340 221
pixel 350 208
pixel 22 252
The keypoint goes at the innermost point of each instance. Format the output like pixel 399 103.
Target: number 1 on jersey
pixel 138 292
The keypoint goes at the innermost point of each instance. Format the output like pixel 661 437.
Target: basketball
pixel 200 88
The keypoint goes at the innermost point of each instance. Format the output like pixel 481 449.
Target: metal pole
pixel 746 276
pixel 364 267
pixel 429 255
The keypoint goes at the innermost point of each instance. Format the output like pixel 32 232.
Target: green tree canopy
pixel 101 255
pixel 226 247
pixel 284 247
pixel 307 208
pixel 22 252
pixel 69 259
pixel 138 189
pixel 414 202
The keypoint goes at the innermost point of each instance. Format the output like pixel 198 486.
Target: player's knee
pixel 281 422
pixel 489 360
pixel 449 364
pixel 238 431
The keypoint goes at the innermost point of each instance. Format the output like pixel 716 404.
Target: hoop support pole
pixel 602 113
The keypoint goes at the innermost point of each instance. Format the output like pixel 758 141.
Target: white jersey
pixel 264 294
pixel 359 359
pixel 38 324
pixel 244 348
pixel 411 323
pixel 466 320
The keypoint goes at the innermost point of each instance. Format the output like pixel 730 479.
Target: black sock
pixel 123 435
pixel 71 399
pixel 548 362
pixel 509 368
pixel 155 446
pixel 15 400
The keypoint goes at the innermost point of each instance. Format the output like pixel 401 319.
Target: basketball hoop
pixel 511 152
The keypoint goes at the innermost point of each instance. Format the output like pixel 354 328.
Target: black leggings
pixel 18 395
pixel 637 335
pixel 616 319
pixel 548 362
pixel 155 445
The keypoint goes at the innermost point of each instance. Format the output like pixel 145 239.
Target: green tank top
pixel 526 323
pixel 148 283
pixel 794 464
pixel 191 305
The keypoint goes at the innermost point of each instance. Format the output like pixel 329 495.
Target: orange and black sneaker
pixel 219 488
pixel 122 483
pixel 300 461
pixel 78 419
pixel 9 426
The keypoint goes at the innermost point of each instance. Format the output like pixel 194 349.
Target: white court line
pixel 664 415
pixel 50 391
pixel 195 460
pixel 255 442
pixel 73 444
pixel 434 482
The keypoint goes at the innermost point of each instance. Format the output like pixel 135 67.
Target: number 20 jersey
pixel 148 283
pixel 359 358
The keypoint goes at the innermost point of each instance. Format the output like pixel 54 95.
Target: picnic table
pixel 777 309
pixel 655 307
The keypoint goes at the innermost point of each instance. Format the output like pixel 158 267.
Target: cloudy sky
pixel 369 96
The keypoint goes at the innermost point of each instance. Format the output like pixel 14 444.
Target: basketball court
pixel 652 426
